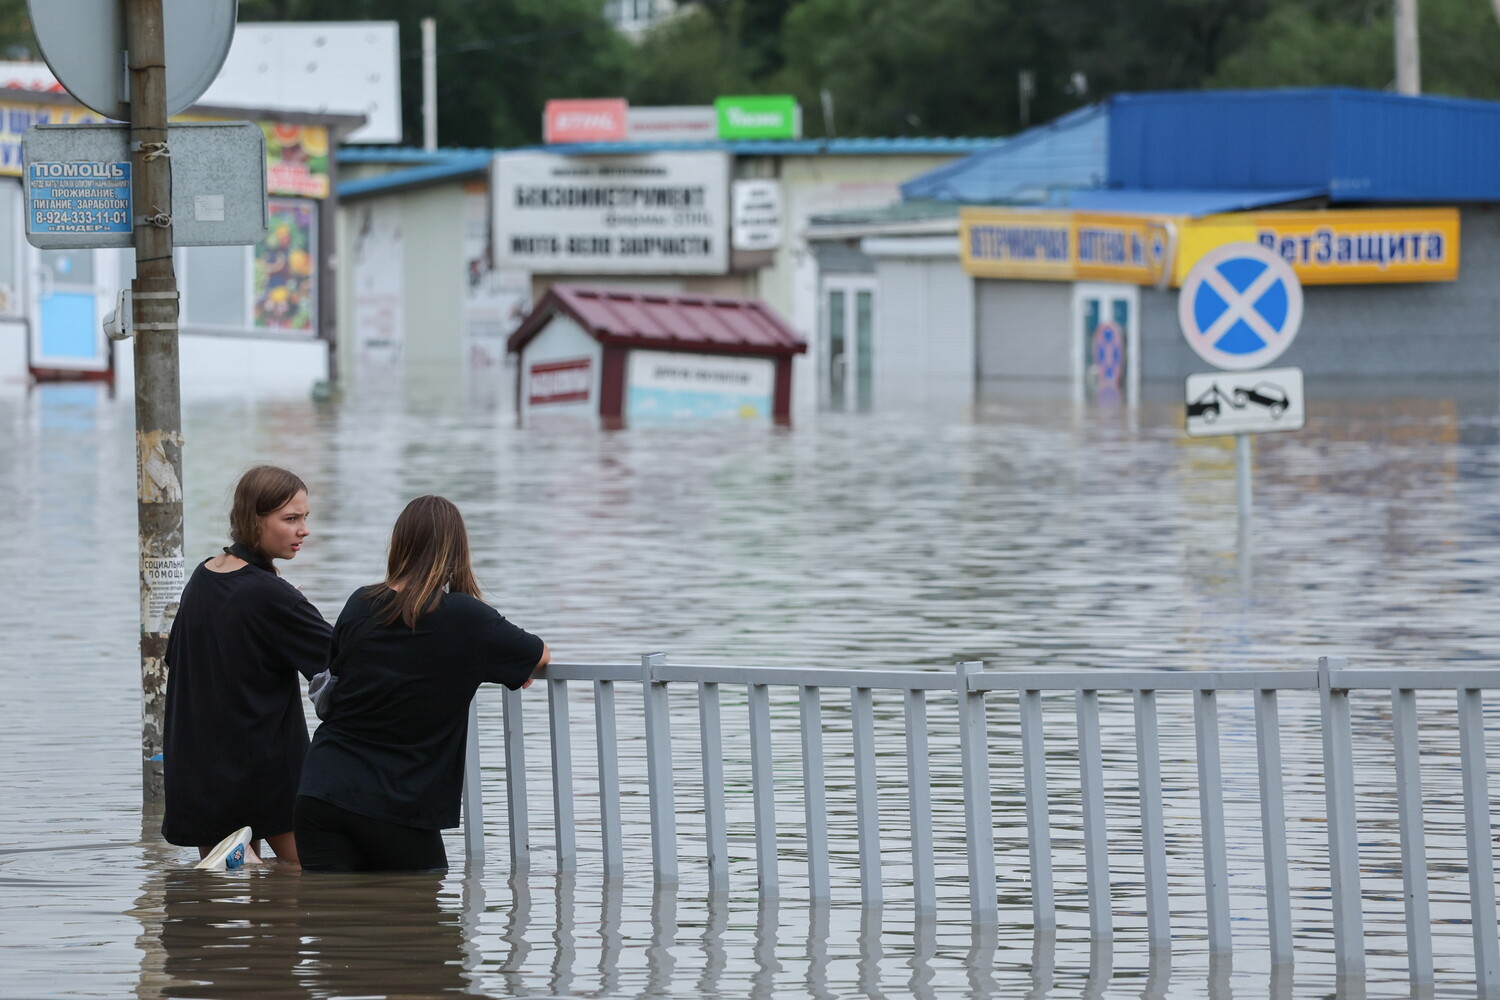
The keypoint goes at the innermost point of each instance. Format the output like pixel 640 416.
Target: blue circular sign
pixel 1240 306
pixel 1109 353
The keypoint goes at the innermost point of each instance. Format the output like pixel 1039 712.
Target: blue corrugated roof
pixel 1193 204
pixel 1067 153
pixel 452 166
pixel 1362 145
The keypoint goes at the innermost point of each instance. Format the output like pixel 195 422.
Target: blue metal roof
pixel 1193 204
pixel 450 167
pixel 1363 146
pixel 1027 169
pixel 435 166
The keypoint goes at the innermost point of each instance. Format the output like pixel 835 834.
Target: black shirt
pixel 235 733
pixel 392 747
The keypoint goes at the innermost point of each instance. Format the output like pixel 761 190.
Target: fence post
pixel 979 821
pixel 1343 837
pixel 711 743
pixel 1211 815
pixel 607 748
pixel 562 774
pixel 1413 842
pixel 763 793
pixel 919 803
pixel 515 781
pixel 1153 820
pixel 814 794
pixel 659 771
pixel 1477 839
pixel 1095 832
pixel 866 796
pixel 473 790
pixel 1038 818
pixel 1273 826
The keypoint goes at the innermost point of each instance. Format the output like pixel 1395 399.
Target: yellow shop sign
pixel 1339 247
pixel 1335 247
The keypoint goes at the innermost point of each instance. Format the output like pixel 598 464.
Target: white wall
pixel 219 366
pixel 562 339
pixel 14 374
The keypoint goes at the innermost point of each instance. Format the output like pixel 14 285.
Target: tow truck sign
pixel 1245 402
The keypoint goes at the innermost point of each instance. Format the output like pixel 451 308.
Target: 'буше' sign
pixel 78 197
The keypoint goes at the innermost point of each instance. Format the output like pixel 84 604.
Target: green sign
pixel 759 117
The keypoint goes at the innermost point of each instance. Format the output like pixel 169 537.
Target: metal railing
pixel 1332 682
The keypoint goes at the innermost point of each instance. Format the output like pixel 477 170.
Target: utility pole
pixel 429 84
pixel 1408 58
pixel 158 408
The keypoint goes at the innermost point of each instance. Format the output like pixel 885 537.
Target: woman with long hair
pixel 235 732
pixel 383 777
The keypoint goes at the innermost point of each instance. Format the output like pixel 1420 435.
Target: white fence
pixel 1333 680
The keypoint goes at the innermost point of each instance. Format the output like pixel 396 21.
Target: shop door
pixel 1106 343
pixel 848 343
pixel 69 305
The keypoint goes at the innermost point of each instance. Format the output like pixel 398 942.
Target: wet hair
pixel 429 553
pixel 260 491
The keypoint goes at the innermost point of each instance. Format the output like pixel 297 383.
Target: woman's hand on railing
pixel 541 665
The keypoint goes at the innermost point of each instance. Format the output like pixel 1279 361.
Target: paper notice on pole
pixel 162 581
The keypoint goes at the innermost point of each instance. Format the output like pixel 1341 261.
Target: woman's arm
pixel 541 665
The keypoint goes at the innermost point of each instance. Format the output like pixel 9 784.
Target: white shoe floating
pixel 234 851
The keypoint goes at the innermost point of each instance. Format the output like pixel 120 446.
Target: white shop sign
pixel 663 213
pixel 757 215
pixel 667 385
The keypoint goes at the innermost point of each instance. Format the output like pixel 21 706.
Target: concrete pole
pixel 1408 59
pixel 158 410
pixel 429 84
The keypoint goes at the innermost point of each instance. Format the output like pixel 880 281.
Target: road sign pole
pixel 1242 475
pixel 158 410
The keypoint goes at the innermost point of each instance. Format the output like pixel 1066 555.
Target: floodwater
pixel 1024 532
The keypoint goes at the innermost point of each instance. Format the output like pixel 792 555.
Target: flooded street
pixel 1028 534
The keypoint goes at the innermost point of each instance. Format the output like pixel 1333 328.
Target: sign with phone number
pixel 78 197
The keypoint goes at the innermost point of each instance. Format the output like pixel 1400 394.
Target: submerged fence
pixel 968 686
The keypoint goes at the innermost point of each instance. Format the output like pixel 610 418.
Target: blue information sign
pixel 1240 306
pixel 78 197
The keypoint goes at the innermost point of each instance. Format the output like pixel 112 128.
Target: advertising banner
pixel 285 280
pixel 593 120
pixel 663 213
pixel 665 385
pixel 15 119
pixel 776 117
pixel 296 159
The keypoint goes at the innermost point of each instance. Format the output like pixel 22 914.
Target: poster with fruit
pixel 285 279
pixel 296 159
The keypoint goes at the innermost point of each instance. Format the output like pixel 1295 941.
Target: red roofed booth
pixel 624 356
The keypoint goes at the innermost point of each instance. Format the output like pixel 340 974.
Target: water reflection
pixel 1020 532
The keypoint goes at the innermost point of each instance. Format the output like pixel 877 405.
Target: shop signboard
pixel 672 124
pixel 591 120
pixel 999 243
pixel 1338 247
pixel 667 385
pixel 1333 247
pixel 764 117
pixel 757 215
pixel 662 213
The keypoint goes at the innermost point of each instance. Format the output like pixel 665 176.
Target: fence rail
pixel 1332 680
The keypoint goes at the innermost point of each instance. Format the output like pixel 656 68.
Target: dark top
pixel 235 733
pixel 392 747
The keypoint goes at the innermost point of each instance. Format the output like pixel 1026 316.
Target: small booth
pixel 624 356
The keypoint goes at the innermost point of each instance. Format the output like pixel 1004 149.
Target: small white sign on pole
pixel 1245 402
